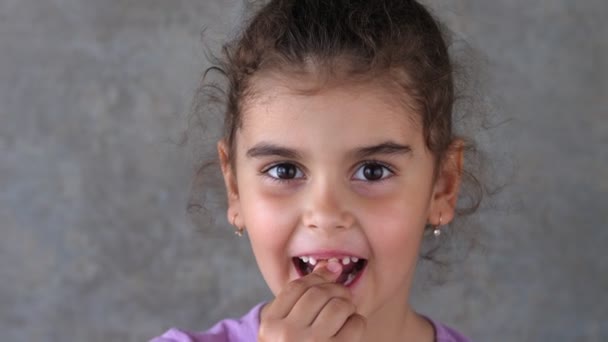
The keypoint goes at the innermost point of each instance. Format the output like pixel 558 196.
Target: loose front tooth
pixel 346 261
pixel 312 261
pixel 304 258
pixel 354 259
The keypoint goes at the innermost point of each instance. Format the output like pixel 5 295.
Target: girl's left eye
pixel 372 171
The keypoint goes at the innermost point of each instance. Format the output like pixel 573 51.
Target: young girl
pixel 338 156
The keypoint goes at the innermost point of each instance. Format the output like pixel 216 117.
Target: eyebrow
pixel 265 149
pixel 386 148
pixel 268 150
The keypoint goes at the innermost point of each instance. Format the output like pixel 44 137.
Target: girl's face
pixel 343 172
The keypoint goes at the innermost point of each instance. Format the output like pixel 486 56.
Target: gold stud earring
pixel 437 230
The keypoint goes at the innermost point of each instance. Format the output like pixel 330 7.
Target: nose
pixel 327 207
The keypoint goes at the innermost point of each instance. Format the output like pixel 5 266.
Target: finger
pixel 287 298
pixel 352 330
pixel 333 316
pixel 328 270
pixel 314 300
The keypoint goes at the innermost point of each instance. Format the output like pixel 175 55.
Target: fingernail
pixel 334 266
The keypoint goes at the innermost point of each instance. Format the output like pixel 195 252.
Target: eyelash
pixel 377 163
pixel 276 179
pixel 362 164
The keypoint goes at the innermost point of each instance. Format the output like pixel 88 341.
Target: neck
pixel 398 322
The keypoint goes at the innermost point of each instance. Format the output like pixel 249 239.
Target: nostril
pixel 327 221
pixel 327 209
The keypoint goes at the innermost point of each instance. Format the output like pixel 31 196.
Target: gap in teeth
pixel 344 261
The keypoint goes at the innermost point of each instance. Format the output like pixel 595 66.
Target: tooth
pixel 333 260
pixel 346 261
pixel 312 261
pixel 304 258
pixel 349 279
pixel 354 259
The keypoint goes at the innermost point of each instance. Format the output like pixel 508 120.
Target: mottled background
pixel 96 245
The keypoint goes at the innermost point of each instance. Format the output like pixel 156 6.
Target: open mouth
pixel 352 267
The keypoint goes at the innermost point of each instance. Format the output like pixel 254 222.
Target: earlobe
pixel 230 182
pixel 447 185
pixel 227 171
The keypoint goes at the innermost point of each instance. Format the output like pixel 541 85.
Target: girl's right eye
pixel 284 171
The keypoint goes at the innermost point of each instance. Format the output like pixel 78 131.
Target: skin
pixel 330 204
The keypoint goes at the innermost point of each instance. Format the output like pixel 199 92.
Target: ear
pixel 230 182
pixel 447 184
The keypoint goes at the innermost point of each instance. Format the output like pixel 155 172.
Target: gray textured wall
pixel 95 244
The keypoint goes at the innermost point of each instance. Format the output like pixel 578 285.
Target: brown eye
pixel 372 172
pixel 284 171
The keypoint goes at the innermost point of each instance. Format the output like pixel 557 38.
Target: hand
pixel 312 308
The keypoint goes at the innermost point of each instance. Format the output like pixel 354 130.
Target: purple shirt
pixel 245 329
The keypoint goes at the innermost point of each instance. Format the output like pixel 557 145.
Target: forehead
pixel 298 107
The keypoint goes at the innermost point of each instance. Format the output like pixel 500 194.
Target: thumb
pixel 329 270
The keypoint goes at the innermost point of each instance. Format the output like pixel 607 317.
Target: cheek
pixel 401 222
pixel 270 222
pixel 394 224
pixel 266 211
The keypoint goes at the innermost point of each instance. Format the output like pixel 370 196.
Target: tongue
pixel 346 269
